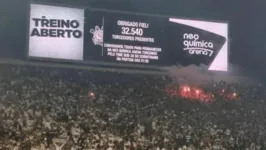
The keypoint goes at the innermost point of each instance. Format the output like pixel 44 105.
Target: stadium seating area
pixel 48 108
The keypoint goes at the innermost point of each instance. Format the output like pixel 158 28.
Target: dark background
pixel 91 51
pixel 246 23
pixel 158 29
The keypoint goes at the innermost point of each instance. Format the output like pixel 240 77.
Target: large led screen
pixel 56 32
pixel 125 38
pixel 200 42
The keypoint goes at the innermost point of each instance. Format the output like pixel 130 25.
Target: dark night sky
pixel 247 23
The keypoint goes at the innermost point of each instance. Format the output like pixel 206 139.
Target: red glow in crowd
pixel 186 89
pixel 197 92
pixel 193 93
pixel 91 94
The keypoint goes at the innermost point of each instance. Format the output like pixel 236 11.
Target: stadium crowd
pixel 50 108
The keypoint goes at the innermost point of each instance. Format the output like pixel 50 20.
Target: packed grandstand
pixel 45 108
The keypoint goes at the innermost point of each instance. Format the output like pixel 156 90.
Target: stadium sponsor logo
pixel 60 28
pixel 194 46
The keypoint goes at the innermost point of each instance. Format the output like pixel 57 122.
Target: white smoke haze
pixel 199 75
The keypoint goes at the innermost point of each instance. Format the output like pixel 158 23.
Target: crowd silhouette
pixel 45 108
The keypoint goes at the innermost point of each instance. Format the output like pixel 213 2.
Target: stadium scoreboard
pixel 91 35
